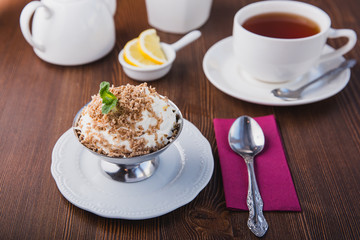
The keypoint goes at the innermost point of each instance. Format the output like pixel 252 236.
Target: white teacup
pixel 278 60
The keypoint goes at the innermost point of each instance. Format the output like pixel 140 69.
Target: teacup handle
pixel 25 17
pixel 336 33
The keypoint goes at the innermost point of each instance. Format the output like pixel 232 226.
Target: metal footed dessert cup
pixel 132 169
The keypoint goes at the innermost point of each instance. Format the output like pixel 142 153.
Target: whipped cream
pixel 141 125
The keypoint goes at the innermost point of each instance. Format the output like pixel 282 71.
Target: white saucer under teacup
pixel 223 72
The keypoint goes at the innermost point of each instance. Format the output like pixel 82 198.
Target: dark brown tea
pixel 281 25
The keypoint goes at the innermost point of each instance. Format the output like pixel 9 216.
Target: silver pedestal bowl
pixel 132 169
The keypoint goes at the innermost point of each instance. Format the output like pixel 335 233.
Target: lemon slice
pixel 149 45
pixel 133 56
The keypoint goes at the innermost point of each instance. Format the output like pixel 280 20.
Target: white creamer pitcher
pixel 69 32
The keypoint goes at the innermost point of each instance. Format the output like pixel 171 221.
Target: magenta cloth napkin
pixel 272 172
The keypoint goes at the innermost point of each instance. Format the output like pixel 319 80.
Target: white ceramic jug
pixel 70 32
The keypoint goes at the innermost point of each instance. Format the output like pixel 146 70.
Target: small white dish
pixel 222 71
pixel 152 73
pixel 185 168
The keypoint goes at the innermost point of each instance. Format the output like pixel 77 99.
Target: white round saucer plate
pixel 185 168
pixel 222 71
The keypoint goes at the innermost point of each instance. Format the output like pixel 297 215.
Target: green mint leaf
pixel 109 100
pixel 105 94
pixel 107 108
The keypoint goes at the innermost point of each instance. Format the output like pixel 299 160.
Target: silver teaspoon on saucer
pixel 246 138
pixel 288 95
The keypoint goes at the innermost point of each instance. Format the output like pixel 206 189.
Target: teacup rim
pixel 323 29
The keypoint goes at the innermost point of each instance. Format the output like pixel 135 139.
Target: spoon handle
pixel 256 222
pixel 344 65
pixel 185 40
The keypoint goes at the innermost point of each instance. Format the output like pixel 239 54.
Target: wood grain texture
pixel 39 100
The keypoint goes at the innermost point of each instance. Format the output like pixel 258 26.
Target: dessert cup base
pixel 130 173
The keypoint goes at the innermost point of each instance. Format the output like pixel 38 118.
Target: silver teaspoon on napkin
pixel 246 138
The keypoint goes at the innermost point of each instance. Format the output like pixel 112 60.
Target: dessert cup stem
pixel 131 172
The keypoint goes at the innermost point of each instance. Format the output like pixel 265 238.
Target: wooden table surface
pixel 39 100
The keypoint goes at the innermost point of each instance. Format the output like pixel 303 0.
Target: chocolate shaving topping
pixel 121 122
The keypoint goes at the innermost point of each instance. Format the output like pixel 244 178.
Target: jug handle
pixel 25 17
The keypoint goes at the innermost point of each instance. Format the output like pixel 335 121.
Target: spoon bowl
pixel 152 73
pixel 247 139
